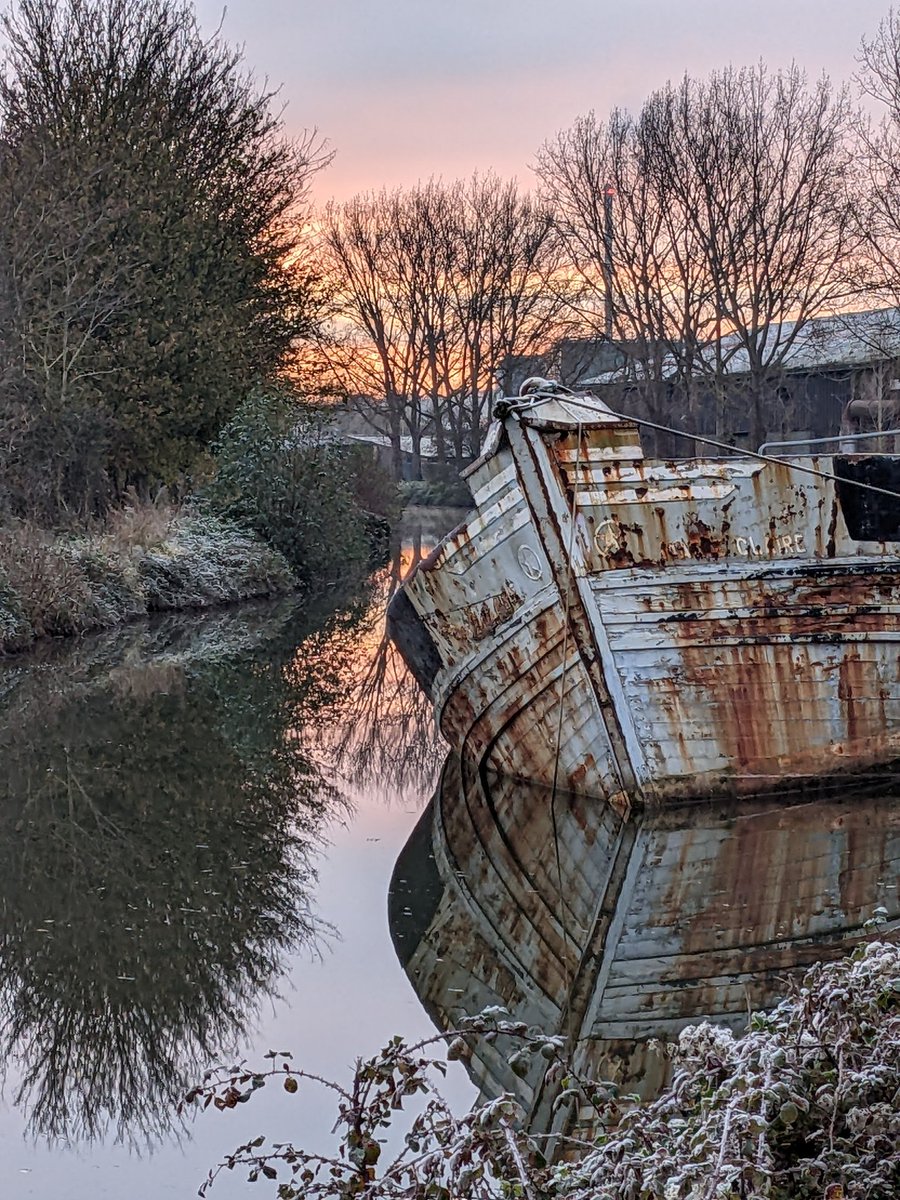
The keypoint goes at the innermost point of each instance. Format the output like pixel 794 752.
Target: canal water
pixel 199 817
pixel 236 832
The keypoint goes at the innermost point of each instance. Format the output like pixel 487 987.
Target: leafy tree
pixel 152 214
pixel 281 473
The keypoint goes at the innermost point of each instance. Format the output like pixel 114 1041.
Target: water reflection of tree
pixel 386 736
pixel 158 822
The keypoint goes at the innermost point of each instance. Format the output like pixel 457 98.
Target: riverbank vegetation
pixel 155 278
pixel 801 1107
pixel 147 559
pixel 281 473
pixel 286 508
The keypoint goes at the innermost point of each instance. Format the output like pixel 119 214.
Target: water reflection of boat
pixel 655 630
pixel 613 932
pixel 385 741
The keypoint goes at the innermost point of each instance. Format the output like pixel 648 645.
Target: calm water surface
pixel 199 817
pixel 199 821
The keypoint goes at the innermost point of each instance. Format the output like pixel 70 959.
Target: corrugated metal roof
pixel 820 344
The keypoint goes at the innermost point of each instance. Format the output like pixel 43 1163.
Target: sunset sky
pixel 406 89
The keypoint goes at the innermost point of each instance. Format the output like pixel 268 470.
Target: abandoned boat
pixel 611 933
pixel 644 631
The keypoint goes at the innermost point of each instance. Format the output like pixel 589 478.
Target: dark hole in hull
pixel 870 516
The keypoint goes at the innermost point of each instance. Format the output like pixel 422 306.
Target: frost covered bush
pixel 53 585
pixel 807 1100
pixel 114 592
pixel 15 629
pixel 805 1106
pixel 207 561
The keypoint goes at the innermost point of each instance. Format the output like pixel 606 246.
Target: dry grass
pixel 148 558
pixel 140 525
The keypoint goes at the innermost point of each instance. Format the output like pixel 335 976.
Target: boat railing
pixel 845 442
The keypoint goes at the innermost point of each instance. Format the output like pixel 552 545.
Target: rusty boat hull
pixel 614 932
pixel 645 631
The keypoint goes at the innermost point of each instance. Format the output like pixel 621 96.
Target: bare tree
pixel 657 311
pixel 373 344
pixel 438 288
pixel 879 79
pixel 505 300
pixel 735 225
pixel 763 164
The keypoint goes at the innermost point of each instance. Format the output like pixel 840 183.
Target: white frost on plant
pixel 807 1098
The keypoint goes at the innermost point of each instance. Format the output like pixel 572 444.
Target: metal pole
pixel 608 195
